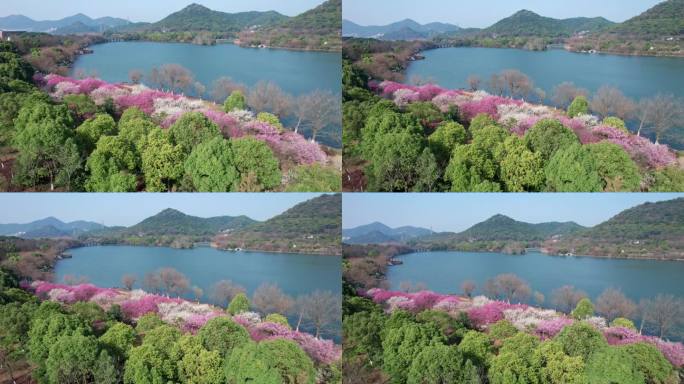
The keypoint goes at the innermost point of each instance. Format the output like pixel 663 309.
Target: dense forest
pixel 55 333
pixel 88 135
pixel 422 336
pixel 401 137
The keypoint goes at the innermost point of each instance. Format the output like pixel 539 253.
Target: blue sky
pixel 458 211
pixel 130 208
pixel 143 10
pixel 483 13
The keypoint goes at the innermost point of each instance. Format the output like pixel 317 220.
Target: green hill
pixel 528 23
pixel 196 17
pixel 173 222
pixel 664 19
pixel 319 28
pixel 314 226
pixel 650 230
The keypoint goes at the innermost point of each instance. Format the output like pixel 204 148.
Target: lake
pixel 445 271
pixel 296 72
pixel 295 274
pixel 636 76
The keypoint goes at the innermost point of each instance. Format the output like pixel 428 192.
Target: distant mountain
pixel 528 23
pixel 402 30
pixel 196 17
pixel 79 23
pixel 312 226
pixel 173 222
pixel 378 233
pixel 663 20
pixel 49 227
pixel 650 230
pixel 501 227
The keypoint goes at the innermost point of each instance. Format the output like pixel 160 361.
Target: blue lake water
pixel 445 271
pixel 295 274
pixel 296 72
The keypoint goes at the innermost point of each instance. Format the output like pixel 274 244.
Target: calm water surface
pixel 295 274
pixel 445 271
pixel 296 72
pixel 635 76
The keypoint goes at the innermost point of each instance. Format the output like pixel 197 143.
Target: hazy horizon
pixel 484 13
pixel 449 212
pixel 138 11
pixel 126 209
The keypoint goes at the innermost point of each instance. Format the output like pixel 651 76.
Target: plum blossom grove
pixel 167 107
pixel 519 116
pixel 544 323
pixel 189 316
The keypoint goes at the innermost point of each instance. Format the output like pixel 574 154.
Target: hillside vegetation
pixel 650 230
pixel 319 28
pixel 313 226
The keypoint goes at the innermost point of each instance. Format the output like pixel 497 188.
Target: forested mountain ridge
pixel 24 23
pixel 397 30
pixel 316 29
pixel 33 227
pixel 528 23
pixel 196 17
pixel 314 226
pixel 649 230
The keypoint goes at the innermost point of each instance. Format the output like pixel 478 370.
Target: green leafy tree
pixel 502 329
pixel 105 370
pixel 555 367
pixel 256 163
pixel 393 163
pixel 153 361
pixel 521 169
pixel 314 177
pixel 192 129
pixel 617 170
pixel 81 106
pixel 477 346
pixel 573 169
pixel 72 359
pixel 92 129
pixel 196 365
pixel 118 341
pixel 438 363
pixel 289 360
pixel 162 162
pixel 579 106
pixel 15 320
pixel 211 166
pixel 47 326
pixel 247 365
pixel 452 328
pixel 610 365
pixel 615 122
pixel 548 136
pixel 584 309
pixel 270 118
pixel 480 121
pixel 277 318
pixel 148 322
pixel 361 332
pixel 42 135
pixel 382 119
pixel 402 344
pixel 651 363
pixel 668 179
pixel 112 166
pixel 581 339
pixel 222 335
pixel 236 100
pixel 13 67
pixel 427 171
pixel 445 138
pixel 239 304
pixel 623 323
pixel 426 113
pixel 515 361
pixel 476 167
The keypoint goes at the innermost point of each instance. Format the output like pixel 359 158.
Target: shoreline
pixel 205 245
pixel 547 254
